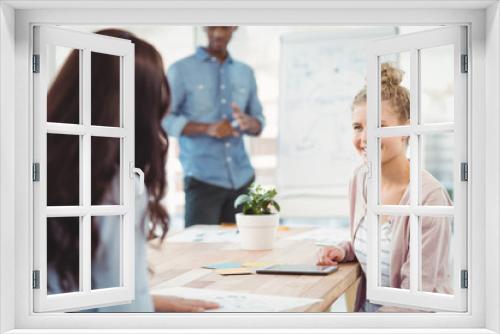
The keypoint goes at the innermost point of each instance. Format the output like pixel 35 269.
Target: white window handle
pixel 140 173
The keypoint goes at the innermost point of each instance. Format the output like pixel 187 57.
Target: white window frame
pixel 46 37
pixel 456 36
pixel 483 17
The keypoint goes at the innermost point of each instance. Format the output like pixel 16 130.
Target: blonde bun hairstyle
pixel 397 95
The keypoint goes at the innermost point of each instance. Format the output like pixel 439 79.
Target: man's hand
pixel 245 122
pixel 329 256
pixel 221 129
pixel 176 304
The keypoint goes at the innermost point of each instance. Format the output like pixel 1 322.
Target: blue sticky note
pixel 223 265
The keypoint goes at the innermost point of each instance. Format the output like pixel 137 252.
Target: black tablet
pixel 297 269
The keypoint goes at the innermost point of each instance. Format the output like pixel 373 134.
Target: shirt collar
pixel 203 55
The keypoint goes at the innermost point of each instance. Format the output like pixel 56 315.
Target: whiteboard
pixel 320 74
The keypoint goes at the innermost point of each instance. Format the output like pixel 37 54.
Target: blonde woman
pixel 394 185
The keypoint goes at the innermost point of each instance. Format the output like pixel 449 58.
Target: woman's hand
pixel 329 256
pixel 176 304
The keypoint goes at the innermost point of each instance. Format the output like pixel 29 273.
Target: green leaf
pixel 258 201
pixel 242 199
pixel 276 205
pixel 248 210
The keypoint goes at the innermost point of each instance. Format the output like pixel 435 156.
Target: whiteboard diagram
pixel 321 72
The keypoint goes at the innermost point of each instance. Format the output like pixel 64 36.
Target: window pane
pixel 63 254
pixel 436 84
pixel 436 235
pixel 437 163
pixel 63 81
pixel 394 165
pixel 387 227
pixel 63 170
pixel 106 259
pixel 106 187
pixel 394 89
pixel 105 90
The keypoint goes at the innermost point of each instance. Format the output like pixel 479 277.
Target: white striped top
pixel 360 245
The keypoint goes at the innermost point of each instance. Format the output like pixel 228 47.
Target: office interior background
pixel 261 47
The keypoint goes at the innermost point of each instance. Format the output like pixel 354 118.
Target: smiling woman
pixel 395 178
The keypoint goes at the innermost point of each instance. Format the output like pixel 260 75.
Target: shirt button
pixel 228 144
pixel 229 159
pixel 223 101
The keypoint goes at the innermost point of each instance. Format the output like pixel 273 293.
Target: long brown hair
pixel 152 98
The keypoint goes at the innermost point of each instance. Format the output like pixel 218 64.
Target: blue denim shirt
pixel 202 91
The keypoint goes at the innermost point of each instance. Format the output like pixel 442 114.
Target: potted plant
pixel 259 220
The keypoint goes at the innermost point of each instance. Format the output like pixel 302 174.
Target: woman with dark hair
pixel 152 96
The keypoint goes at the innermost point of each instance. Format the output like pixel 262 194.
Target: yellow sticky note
pixel 233 271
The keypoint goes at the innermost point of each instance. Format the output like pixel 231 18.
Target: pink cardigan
pixel 436 232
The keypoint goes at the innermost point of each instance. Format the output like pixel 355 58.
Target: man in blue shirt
pixel 213 104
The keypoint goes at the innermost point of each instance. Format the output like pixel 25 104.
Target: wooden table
pixel 179 264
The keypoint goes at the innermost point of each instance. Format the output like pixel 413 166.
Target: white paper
pixel 324 235
pixel 202 234
pixel 238 302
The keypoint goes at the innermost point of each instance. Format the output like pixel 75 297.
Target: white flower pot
pixel 257 232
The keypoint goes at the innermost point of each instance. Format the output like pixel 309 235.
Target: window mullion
pixel 108 132
pixel 40 155
pixel 65 129
pixel 53 127
pixel 392 210
pixel 406 210
pixel 373 147
pixel 65 211
pixel 127 120
pixel 418 129
pixel 85 235
pixel 107 210
pixel 435 128
pixel 415 260
pixel 459 240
